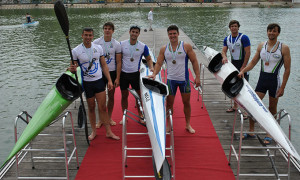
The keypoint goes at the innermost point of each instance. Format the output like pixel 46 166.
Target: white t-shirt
pixel 110 49
pixel 150 15
pixel 86 57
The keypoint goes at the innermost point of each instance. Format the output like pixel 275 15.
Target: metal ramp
pixel 125 147
pixel 271 151
pixel 69 154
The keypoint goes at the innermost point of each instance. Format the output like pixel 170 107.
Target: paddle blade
pixel 62 16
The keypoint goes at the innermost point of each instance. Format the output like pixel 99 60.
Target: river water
pixel 31 59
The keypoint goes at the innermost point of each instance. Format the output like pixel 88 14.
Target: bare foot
pixel 112 123
pixel 113 136
pixel 92 136
pixel 121 122
pixel 99 124
pixel 190 129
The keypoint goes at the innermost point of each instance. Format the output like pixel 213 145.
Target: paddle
pixel 63 20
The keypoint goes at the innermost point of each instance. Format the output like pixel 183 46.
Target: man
pixel 176 55
pixel 239 48
pixel 273 55
pixel 150 19
pixel 132 53
pixel 89 57
pixel 112 54
pixel 28 18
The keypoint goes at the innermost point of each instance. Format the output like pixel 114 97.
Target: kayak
pixel 62 94
pixel 34 23
pixel 242 93
pixel 153 95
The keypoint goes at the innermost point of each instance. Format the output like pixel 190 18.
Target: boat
pixel 153 96
pixel 31 24
pixel 62 94
pixel 242 93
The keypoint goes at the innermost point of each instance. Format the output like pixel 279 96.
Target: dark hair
pixel 110 24
pixel 273 26
pixel 234 22
pixel 89 29
pixel 173 27
pixel 135 27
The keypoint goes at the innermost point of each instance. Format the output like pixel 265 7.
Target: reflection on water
pixel 33 58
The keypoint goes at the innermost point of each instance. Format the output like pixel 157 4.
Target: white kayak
pixel 34 23
pixel 243 94
pixel 153 95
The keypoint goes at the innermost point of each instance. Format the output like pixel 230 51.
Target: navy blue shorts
pixel 238 64
pixel 113 76
pixel 184 86
pixel 93 87
pixel 130 78
pixel 268 82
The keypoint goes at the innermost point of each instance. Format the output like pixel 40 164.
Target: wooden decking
pixel 215 103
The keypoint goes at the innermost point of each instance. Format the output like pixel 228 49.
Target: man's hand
pixel 224 60
pixel 110 85
pixel 280 92
pixel 117 83
pixel 197 81
pixel 73 68
pixel 152 76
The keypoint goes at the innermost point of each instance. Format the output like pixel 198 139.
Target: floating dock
pixel 214 101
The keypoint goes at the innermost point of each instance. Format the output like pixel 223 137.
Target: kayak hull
pixel 153 95
pixel 62 94
pixel 31 24
pixel 243 94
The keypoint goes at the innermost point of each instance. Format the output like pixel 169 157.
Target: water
pixel 33 58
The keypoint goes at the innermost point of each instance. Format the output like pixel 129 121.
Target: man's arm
pixel 105 71
pixel 193 58
pixel 247 56
pixel 287 68
pixel 159 62
pixel 119 68
pixel 253 62
pixel 224 54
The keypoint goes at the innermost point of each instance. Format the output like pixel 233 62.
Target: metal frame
pixel 28 148
pixel 125 148
pixel 201 90
pixel 232 152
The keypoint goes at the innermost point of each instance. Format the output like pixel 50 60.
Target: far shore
pixel 276 4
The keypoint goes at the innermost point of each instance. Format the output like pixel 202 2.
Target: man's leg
pixel 170 102
pixel 92 117
pixel 101 102
pixel 110 105
pixel 124 101
pixel 273 109
pixel 187 111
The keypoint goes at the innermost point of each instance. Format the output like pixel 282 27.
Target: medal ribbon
pixel 132 49
pixel 233 44
pixel 268 54
pixel 174 53
pixel 107 48
pixel 89 53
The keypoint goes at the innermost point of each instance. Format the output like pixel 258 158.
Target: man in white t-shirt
pixel 132 53
pixel 89 57
pixel 150 19
pixel 112 54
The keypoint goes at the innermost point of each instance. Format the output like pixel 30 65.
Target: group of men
pixel 273 55
pixel 107 63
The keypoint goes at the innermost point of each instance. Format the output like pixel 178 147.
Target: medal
pixel 131 59
pixel 267 63
pixel 233 50
pixel 174 61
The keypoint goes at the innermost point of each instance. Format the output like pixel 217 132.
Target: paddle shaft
pixel 63 20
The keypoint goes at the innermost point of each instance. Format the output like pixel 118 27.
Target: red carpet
pixel 197 156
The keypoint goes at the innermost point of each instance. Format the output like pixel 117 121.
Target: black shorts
pixel 268 82
pixel 93 87
pixel 113 76
pixel 238 64
pixel 130 78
